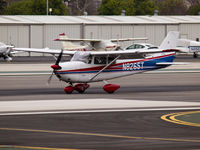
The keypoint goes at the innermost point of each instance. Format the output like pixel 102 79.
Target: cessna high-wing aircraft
pixel 5 51
pixel 92 44
pixel 189 46
pixel 94 66
pixel 184 45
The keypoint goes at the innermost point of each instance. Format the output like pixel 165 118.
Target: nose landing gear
pixel 69 89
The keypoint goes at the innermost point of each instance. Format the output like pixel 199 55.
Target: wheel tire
pixel 81 90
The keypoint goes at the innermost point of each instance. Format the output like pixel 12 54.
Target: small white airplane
pixel 189 46
pixel 92 44
pixel 94 66
pixel 6 51
pixel 184 45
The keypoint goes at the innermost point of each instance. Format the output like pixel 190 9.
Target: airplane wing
pixel 122 52
pixel 78 40
pixel 43 50
pixel 128 39
pixel 67 52
pixel 133 51
pixel 99 40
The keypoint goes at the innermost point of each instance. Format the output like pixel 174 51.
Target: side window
pixel 110 59
pixel 131 47
pixel 137 46
pixel 100 60
pixel 89 60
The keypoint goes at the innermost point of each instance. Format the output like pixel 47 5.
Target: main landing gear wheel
pixel 111 88
pixel 78 87
pixel 81 87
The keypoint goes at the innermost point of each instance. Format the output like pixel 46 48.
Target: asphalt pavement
pixel 142 100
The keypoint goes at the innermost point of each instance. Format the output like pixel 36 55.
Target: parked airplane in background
pixel 95 66
pixel 92 44
pixel 68 45
pixel 189 46
pixel 5 51
pixel 184 45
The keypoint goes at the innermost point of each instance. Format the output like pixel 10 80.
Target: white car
pixel 141 46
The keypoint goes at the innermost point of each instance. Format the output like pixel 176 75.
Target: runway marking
pixel 101 135
pixel 89 105
pixel 92 111
pixel 172 118
pixel 31 147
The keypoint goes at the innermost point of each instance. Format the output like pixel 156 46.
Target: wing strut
pixel 104 68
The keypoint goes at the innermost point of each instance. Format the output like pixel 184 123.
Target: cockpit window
pixel 131 47
pixel 81 56
pixel 135 46
pixel 138 46
pixel 149 45
pixel 100 60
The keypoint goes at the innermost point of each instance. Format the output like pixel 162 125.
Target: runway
pixel 127 130
pixel 38 116
pixel 170 87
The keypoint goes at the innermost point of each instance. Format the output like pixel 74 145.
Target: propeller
pixel 5 51
pixel 55 66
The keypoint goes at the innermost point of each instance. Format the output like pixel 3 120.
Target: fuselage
pixel 83 72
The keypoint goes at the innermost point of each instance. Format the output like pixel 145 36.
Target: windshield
pixel 149 45
pixel 81 56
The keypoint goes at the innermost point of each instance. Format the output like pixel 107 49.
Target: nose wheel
pixel 80 88
pixel 69 89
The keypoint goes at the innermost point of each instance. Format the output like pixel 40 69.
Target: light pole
pixel 50 10
pixel 47 7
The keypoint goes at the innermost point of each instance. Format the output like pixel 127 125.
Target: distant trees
pixel 3 4
pixel 114 7
pixel 132 7
pixel 78 7
pixel 171 7
pixel 35 7
pixel 194 10
pixel 145 7
pixel 107 7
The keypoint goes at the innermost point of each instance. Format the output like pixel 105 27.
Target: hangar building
pixel 39 31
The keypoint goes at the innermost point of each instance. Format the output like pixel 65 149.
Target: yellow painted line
pixel 30 147
pixel 174 120
pixel 101 135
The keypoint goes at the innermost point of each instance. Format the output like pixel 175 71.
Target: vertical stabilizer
pixel 66 44
pixel 170 40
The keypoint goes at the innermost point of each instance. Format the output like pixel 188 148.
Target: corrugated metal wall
pixel 190 31
pixel 42 35
pixel 15 34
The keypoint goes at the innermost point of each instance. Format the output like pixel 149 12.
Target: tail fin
pixel 170 40
pixel 66 44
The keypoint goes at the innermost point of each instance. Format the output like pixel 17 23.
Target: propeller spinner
pixel 56 66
